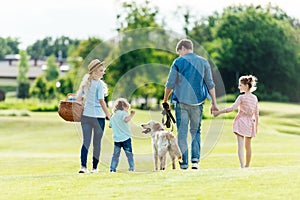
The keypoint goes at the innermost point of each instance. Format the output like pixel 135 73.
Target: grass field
pixel 39 159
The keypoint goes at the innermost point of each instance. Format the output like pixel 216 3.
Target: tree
pixel 61 46
pixel 66 85
pixel 52 71
pixel 8 46
pixel 135 58
pixel 80 57
pixel 39 88
pixel 23 81
pixel 260 41
pixel 47 46
pixel 41 48
pixel 202 30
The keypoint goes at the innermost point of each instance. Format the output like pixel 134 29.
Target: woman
pixel 92 91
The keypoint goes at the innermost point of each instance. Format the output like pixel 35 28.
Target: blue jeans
pixel 117 150
pixel 88 125
pixel 188 115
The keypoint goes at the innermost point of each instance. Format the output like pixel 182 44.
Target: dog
pixel 162 142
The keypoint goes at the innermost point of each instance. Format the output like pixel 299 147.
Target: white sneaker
pixel 83 170
pixel 94 171
pixel 195 166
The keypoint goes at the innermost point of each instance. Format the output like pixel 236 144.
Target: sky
pixel 31 20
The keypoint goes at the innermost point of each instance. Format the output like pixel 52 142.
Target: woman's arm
pixel 104 107
pixel 79 99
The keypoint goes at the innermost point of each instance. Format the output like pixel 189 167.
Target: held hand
pixel 213 108
pixel 108 117
pixel 215 113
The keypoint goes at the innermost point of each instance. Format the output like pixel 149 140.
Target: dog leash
pixel 170 118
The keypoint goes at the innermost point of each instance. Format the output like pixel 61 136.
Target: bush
pixel 274 97
pixel 66 85
pixel 44 108
pixel 31 105
pixel 8 88
pixel 23 90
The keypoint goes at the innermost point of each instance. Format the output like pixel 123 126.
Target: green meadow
pixel 39 159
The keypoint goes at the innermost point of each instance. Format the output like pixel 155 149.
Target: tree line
pixel 242 39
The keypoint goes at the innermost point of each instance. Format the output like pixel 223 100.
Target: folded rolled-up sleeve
pixel 208 76
pixel 171 82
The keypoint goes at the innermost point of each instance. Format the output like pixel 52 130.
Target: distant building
pixel 12 57
pixel 9 69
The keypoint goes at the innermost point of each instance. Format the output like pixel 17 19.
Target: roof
pixel 7 71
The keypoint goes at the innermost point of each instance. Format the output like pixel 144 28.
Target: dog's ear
pixel 156 126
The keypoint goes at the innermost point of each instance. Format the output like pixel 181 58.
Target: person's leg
pixel 115 158
pixel 240 140
pixel 98 133
pixel 182 120
pixel 128 151
pixel 248 151
pixel 195 114
pixel 87 134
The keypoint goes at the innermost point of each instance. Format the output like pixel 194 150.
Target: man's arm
pixel 167 94
pixel 212 93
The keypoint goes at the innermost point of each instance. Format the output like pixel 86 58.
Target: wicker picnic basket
pixel 70 110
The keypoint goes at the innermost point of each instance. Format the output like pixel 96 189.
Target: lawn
pixel 39 159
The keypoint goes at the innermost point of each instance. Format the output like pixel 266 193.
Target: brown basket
pixel 70 110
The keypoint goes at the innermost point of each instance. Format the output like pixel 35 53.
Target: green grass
pixel 39 159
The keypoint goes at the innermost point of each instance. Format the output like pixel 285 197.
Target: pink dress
pixel 244 122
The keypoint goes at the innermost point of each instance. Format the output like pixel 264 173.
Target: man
pixel 190 80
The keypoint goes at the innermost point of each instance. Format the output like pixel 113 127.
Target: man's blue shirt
pixel 190 78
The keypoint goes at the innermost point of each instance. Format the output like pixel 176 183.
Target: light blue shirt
pixel 92 107
pixel 121 130
pixel 190 78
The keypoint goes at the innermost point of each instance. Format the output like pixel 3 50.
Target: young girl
pixel 121 133
pixel 246 121
pixel 92 91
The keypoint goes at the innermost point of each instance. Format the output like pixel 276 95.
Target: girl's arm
pixel 230 109
pixel 129 117
pixel 218 112
pixel 104 107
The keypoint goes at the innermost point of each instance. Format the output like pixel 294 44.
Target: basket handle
pixel 70 94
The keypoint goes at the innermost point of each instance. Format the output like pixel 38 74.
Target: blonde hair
pixel 120 104
pixel 249 80
pixel 86 82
